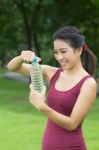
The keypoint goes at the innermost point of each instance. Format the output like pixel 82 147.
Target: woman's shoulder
pixel 90 83
pixel 48 71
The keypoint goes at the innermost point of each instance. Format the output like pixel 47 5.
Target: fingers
pixel 44 89
pixel 31 94
pixel 32 90
pixel 28 56
pixel 31 87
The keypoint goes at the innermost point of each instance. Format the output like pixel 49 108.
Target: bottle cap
pixel 35 60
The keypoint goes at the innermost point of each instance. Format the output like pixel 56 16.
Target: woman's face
pixel 65 54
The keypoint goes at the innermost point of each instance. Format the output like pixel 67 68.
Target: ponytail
pixel 89 61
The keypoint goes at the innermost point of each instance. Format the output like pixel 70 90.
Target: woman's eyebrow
pixel 60 49
pixel 64 48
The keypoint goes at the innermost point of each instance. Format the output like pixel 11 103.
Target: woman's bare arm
pixel 83 104
pixel 18 65
pixel 21 64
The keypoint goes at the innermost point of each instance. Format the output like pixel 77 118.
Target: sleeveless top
pixel 56 137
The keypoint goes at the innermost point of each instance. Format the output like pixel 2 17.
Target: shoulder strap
pixel 83 80
pixel 55 76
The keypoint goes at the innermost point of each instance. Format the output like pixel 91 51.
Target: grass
pixel 22 127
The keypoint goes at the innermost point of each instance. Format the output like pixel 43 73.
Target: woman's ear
pixel 80 51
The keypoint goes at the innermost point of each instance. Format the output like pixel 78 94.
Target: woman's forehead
pixel 60 44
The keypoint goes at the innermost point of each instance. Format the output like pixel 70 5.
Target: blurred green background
pixel 30 24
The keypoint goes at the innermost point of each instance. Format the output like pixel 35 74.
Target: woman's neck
pixel 78 69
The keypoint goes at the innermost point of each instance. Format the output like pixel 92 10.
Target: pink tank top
pixel 63 102
pixel 56 137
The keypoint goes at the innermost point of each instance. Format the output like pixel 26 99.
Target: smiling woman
pixel 72 89
pixel 65 54
pixel 69 40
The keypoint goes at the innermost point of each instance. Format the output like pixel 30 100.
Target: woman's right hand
pixel 28 56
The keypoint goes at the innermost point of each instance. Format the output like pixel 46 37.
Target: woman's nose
pixel 59 56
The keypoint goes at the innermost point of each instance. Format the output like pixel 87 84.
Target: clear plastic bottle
pixel 36 75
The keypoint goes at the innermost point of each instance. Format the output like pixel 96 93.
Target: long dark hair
pixel 75 39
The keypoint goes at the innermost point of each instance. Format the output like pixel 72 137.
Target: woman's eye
pixel 55 52
pixel 63 52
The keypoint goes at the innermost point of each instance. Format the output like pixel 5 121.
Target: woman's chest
pixel 65 84
pixel 62 101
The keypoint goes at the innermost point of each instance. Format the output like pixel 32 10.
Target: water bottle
pixel 36 75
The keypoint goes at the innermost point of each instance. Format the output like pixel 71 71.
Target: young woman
pixel 72 89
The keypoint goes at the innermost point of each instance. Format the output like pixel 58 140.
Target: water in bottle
pixel 36 75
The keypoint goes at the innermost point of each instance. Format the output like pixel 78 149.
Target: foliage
pixel 30 24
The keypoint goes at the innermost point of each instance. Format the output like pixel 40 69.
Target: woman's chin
pixel 65 67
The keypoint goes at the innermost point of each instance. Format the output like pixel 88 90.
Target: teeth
pixel 63 62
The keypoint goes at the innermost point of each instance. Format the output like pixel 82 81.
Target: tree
pixel 30 24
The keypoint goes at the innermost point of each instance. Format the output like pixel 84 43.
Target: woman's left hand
pixel 37 99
